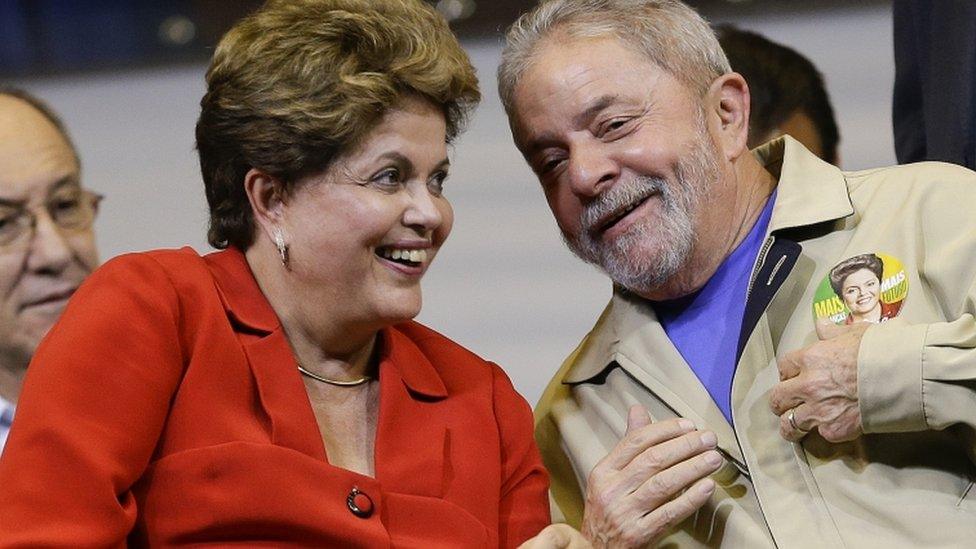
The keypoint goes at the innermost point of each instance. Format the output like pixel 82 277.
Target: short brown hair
pixel 297 82
pixel 851 265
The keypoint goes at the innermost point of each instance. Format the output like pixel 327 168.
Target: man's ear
pixel 266 194
pixel 728 99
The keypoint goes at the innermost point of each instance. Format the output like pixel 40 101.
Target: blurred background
pixel 127 76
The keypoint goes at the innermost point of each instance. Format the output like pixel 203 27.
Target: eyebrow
pixel 580 120
pixel 400 158
pixel 56 186
pixel 64 182
pixel 604 101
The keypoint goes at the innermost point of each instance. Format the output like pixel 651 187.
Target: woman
pixel 857 281
pixel 276 392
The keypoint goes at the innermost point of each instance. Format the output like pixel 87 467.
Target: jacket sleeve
pixel 524 500
pixel 919 376
pixel 92 408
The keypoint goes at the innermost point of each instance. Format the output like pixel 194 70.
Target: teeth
pixel 414 256
pixel 626 211
pixel 629 209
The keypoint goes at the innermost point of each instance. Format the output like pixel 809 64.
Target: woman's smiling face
pixel 861 291
pixel 363 232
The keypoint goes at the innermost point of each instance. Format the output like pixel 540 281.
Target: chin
pixel 33 330
pixel 20 348
pixel 402 310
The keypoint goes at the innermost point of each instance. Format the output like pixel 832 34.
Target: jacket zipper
pixel 759 264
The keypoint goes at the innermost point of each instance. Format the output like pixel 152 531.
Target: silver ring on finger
pixel 791 417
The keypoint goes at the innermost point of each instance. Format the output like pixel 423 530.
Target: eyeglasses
pixel 72 212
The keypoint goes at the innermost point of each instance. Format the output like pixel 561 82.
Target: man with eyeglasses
pixel 47 245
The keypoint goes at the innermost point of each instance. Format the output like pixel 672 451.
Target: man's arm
pixel 905 374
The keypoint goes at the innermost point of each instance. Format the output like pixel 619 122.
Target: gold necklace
pixel 335 382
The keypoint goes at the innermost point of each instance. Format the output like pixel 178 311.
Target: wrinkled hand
pixel 819 384
pixel 557 536
pixel 654 478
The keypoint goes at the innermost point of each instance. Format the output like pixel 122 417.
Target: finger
pixel 800 427
pixel 556 536
pixel 569 537
pixel 667 484
pixel 656 523
pixel 634 442
pixel 665 455
pixel 842 429
pixel 637 417
pixel 823 326
pixel 789 365
pixel 788 394
pixel 830 331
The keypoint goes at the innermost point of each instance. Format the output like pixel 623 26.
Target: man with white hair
pixel 721 399
pixel 47 245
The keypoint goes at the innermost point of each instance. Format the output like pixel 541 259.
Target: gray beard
pixel 627 259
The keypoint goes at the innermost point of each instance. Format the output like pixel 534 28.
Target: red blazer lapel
pixel 283 395
pixel 269 356
pixel 412 443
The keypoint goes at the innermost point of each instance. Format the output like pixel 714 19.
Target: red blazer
pixel 165 408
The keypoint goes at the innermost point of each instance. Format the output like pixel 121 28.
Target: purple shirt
pixel 704 326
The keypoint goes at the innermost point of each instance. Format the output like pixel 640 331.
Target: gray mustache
pixel 620 196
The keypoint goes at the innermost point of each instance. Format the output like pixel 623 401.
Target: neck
pixel 324 344
pixel 335 365
pixel 730 210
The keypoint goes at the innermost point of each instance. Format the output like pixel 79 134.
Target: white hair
pixel 669 33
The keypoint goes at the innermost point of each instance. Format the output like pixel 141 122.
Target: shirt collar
pixel 626 316
pixel 809 190
pixel 6 412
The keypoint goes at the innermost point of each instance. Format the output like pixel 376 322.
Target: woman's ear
pixel 266 194
pixel 728 99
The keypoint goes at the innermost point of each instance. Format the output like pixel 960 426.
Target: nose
pixel 422 212
pixel 590 169
pixel 49 250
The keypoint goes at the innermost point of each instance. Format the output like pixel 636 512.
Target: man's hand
pixel 818 386
pixel 557 536
pixel 653 479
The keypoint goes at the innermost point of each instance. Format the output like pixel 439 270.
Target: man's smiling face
pixel 623 154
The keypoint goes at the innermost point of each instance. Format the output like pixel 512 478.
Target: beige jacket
pixel 909 481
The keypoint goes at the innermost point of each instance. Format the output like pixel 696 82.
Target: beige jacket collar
pixel 809 190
